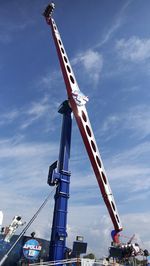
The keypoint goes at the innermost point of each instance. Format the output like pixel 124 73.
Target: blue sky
pixel 108 45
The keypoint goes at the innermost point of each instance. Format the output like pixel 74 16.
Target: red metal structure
pixel 77 102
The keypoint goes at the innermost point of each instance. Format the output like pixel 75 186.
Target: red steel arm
pixel 77 102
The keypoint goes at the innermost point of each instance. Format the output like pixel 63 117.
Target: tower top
pixel 49 10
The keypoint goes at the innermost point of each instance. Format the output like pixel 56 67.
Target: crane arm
pixel 77 102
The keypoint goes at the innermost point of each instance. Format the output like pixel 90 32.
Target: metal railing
pixel 75 261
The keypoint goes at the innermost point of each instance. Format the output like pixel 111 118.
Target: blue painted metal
pixel 60 176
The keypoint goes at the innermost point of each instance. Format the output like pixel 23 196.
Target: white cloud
pixel 23 176
pixel 35 111
pixel 50 79
pixel 139 121
pixel 110 32
pixel 28 114
pixel 129 171
pixel 132 177
pixel 92 60
pixel 135 223
pixel 8 117
pixel 110 122
pixel 136 119
pixel 92 63
pixel 134 49
pixel 115 25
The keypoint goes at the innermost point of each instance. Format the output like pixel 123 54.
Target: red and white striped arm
pixel 77 102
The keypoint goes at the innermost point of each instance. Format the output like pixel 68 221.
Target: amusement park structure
pixel 59 174
pixel 77 101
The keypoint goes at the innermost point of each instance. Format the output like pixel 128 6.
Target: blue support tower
pixel 60 176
